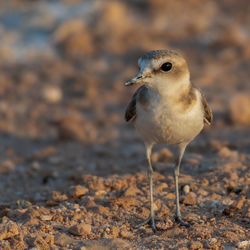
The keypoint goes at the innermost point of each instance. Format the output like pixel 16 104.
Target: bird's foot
pixel 151 221
pixel 181 222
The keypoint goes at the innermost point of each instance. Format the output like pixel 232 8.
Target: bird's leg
pixel 151 219
pixel 176 177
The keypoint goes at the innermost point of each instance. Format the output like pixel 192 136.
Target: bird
pixel 166 109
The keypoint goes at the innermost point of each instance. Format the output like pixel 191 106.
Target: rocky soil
pixel 72 172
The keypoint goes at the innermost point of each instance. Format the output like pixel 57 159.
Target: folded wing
pixel 130 113
pixel 208 115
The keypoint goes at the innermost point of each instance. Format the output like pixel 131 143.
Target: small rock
pixel 104 244
pixel 202 192
pixel 52 94
pixel 23 204
pixel 45 153
pixel 115 231
pixel 164 225
pixel 46 217
pixel 210 243
pixel 77 191
pixel 193 218
pixel 243 244
pixel 100 193
pixel 204 182
pixel 73 128
pixel 74 38
pixel 196 245
pixel 163 155
pixel 186 189
pixel 126 234
pixel 63 239
pixel 56 196
pixel 227 201
pixel 190 199
pixel 103 210
pixel 80 229
pixel 217 145
pixel 6 166
pixel 8 229
pixel 239 109
pixel 239 203
pixel 212 204
pixel 227 153
pixel 155 207
pixel 159 188
pixel 132 191
pixel 38 242
pixel 170 196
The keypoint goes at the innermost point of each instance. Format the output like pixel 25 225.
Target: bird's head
pixel 162 70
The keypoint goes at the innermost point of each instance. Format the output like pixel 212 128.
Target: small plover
pixel 166 109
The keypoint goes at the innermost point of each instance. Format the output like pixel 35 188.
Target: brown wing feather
pixel 208 115
pixel 130 113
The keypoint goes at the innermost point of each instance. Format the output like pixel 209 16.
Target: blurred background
pixel 63 65
pixel 62 69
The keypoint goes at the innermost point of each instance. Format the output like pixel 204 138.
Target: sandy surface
pixel 72 172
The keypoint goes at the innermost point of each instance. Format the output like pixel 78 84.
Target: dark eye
pixel 166 66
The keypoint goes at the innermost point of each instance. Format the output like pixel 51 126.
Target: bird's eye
pixel 166 66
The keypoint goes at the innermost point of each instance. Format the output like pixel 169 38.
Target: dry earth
pixel 72 173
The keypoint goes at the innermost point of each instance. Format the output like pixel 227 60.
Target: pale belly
pixel 166 126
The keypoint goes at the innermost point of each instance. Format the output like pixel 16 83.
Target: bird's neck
pixel 172 90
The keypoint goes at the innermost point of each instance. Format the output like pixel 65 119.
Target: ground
pixel 72 172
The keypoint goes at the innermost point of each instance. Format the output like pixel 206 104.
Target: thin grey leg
pixel 176 178
pixel 151 218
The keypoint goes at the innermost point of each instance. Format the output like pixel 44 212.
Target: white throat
pixel 168 88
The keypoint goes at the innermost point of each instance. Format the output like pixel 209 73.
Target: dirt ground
pixel 72 172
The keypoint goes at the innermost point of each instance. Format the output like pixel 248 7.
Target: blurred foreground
pixel 71 170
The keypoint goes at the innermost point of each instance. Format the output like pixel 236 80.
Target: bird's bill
pixel 137 79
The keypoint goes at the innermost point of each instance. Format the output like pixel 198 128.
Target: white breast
pixel 162 123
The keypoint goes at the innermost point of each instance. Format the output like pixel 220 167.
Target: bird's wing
pixel 208 115
pixel 130 113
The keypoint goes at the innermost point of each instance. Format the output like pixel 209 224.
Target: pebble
pixel 170 196
pixel 132 191
pixel 56 196
pixel 8 229
pixel 80 229
pixel 196 245
pixel 77 191
pixel 160 188
pixel 239 109
pixel 45 153
pixel 227 153
pixel 239 203
pixel 164 225
pixel 6 166
pixel 186 189
pixel 212 241
pixel 115 231
pixel 63 239
pixel 126 234
pixel 190 199
pixel 243 244
pixel 46 217
pixel 52 94
pixel 163 155
pixel 73 128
